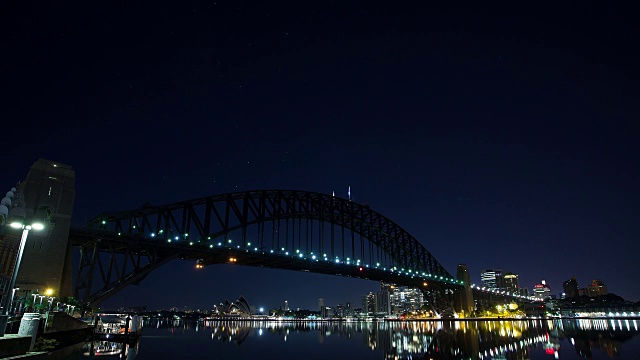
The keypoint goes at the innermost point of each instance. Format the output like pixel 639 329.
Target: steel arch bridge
pixel 284 229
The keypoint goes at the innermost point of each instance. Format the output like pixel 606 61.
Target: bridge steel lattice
pixel 273 228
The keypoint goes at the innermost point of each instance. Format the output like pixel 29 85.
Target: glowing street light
pixel 17 219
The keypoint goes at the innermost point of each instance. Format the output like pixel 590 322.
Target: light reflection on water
pixel 525 339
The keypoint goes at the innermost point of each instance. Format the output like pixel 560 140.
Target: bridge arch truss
pixel 305 226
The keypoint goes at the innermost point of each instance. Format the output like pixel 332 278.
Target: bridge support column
pixel 463 302
pixel 47 259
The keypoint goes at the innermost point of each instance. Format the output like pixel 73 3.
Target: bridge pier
pixel 463 300
pixel 47 258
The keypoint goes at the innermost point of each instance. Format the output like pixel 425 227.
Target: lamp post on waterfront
pixel 17 219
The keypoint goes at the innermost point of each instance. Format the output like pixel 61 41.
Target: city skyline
pixel 497 137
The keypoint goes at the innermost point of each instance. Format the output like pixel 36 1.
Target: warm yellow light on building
pixel 513 306
pixel 48 292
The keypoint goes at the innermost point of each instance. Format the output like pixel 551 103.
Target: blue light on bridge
pixel 153 234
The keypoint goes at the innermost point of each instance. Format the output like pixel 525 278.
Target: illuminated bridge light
pixel 191 243
pixel 208 237
pixel 219 244
pixel 103 222
pixel 282 249
pixel 153 235
pixel 248 244
pixel 255 249
pixel 176 238
pixel 297 251
pixel 160 232
pixel 313 257
pixel 272 251
pixel 168 240
pixel 210 246
pixel 300 255
pixel 286 253
pixel 229 240
pixel 337 261
pixel 119 234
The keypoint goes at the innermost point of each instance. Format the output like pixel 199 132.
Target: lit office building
pixel 404 299
pixel 492 279
pixel 510 281
pixel 369 303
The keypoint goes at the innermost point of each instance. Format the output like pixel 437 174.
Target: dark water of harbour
pixel 526 339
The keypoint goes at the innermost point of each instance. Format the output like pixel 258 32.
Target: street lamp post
pixel 17 221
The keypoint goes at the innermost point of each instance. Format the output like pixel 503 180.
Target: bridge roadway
pixel 147 254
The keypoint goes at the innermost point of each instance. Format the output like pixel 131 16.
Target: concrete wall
pixel 12 345
pixel 60 321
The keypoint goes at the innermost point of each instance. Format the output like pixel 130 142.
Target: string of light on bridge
pixel 348 261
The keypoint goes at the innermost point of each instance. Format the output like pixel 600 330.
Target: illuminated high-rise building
pixel 492 279
pixel 369 303
pixel 510 281
pixel 404 299
pixel 383 299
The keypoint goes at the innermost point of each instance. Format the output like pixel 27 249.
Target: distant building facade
pixel 542 290
pixel 597 288
pixel 570 288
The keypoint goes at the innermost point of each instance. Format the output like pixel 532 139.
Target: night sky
pixel 498 137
